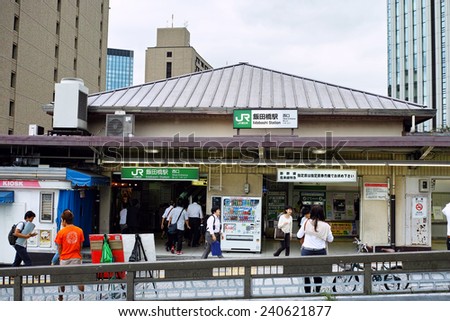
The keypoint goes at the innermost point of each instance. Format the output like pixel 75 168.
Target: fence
pixel 361 274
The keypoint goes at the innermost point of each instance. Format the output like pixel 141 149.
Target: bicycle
pixel 390 281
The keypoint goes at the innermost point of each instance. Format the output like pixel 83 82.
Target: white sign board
pixel 316 175
pixel 419 207
pixel 376 191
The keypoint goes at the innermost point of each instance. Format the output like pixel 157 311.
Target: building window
pixel 10 131
pixel 14 51
pixel 46 208
pixel 12 108
pixel 74 63
pixel 75 43
pixel 56 51
pixel 168 69
pixel 55 75
pixel 58 6
pixel 16 23
pixel 13 80
pixel 76 22
pixel 57 27
pixel 169 54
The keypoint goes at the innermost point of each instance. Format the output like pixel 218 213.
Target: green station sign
pixel 265 118
pixel 161 173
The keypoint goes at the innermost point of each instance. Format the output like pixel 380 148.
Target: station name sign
pixel 316 175
pixel 265 118
pixel 161 173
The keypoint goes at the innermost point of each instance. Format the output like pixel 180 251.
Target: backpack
pixel 11 238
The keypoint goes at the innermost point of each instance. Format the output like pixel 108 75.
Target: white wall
pixel 24 200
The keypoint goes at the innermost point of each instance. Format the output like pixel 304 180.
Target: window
pixel 76 22
pixel 75 43
pixel 46 207
pixel 75 64
pixel 169 54
pixel 56 51
pixel 14 51
pixel 55 75
pixel 16 23
pixel 168 70
pixel 57 27
pixel 12 108
pixel 13 79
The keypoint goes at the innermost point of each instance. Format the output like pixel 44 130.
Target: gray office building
pixel 418 55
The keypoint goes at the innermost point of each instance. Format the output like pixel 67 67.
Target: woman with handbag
pixel 285 224
pixel 317 233
pixel 213 232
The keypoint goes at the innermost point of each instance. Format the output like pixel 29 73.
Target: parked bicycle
pixel 391 281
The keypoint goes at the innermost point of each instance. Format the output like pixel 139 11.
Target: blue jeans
pixel 317 279
pixel 21 255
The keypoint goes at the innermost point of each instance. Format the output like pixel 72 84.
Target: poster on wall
pixel 419 207
pixel 45 238
pixel 376 191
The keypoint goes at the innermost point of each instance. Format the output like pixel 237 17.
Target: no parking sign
pixel 419 207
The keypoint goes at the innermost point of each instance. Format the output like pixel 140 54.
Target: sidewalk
pixel 340 246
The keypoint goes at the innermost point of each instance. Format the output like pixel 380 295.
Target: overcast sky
pixel 342 42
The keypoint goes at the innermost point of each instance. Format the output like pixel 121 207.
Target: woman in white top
pixel 317 233
pixel 285 224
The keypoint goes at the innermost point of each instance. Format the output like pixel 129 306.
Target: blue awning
pixel 6 197
pixel 86 179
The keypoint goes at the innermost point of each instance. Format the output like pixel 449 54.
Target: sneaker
pixel 179 252
pixel 172 250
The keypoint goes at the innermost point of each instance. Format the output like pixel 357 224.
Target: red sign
pixel 19 184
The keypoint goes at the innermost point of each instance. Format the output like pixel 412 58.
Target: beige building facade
pixel 172 56
pixel 400 178
pixel 41 43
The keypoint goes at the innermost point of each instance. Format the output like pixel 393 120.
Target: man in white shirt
pixel 446 212
pixel 213 231
pixel 195 219
pixel 123 220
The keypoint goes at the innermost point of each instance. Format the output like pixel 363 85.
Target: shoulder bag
pixel 172 229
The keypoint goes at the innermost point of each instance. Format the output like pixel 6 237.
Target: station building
pixel 243 131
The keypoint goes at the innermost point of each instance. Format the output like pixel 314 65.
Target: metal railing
pixel 361 274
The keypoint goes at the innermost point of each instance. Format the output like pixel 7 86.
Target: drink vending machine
pixel 241 224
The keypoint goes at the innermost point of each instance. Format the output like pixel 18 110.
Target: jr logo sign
pixel 242 119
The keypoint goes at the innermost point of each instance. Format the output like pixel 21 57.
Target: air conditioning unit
pixel 120 125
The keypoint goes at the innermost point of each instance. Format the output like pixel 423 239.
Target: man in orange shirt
pixel 70 242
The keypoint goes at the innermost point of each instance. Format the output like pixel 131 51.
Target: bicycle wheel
pixel 345 283
pixel 393 281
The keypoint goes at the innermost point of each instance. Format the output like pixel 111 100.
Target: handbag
pixel 172 229
pixel 215 248
pixel 279 234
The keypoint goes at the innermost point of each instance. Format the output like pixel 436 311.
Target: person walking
pixel 21 242
pixel 446 212
pixel 69 240
pixel 178 216
pixel 213 231
pixel 285 224
pixel 132 220
pixel 316 233
pixel 195 214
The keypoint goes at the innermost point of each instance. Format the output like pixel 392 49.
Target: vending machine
pixel 241 224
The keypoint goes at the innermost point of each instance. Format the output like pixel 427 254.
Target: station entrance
pixel 153 197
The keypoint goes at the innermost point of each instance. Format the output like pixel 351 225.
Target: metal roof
pixel 246 86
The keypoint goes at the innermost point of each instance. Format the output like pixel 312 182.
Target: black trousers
pixel 194 223
pixel 285 245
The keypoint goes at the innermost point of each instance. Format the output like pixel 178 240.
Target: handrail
pixel 364 274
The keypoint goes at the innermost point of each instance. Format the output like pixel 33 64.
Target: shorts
pixel 70 262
